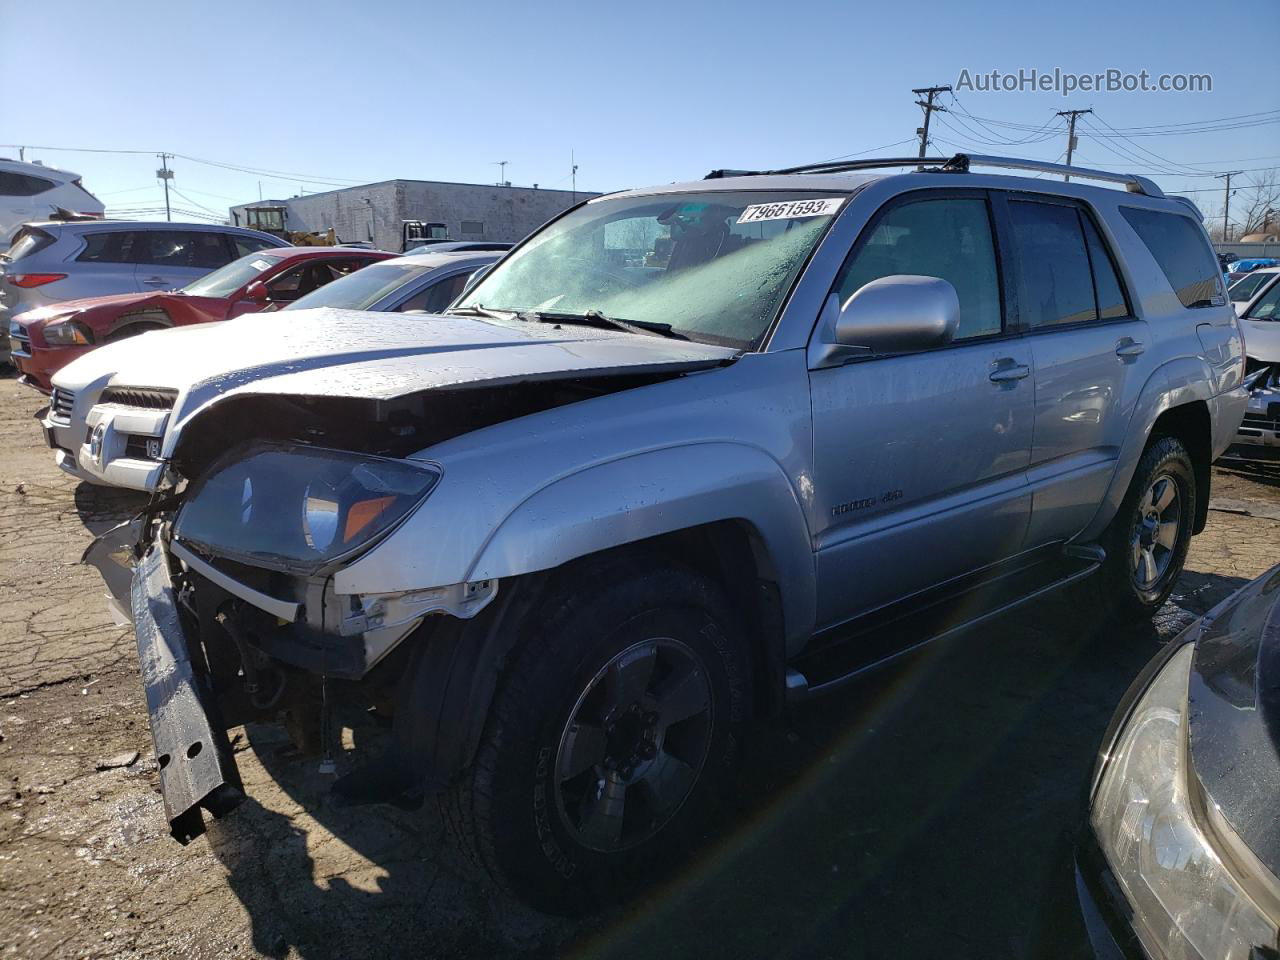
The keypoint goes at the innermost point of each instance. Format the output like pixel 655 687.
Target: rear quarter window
pixel 21 185
pixel 1178 245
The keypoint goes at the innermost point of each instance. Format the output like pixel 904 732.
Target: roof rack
pixel 960 163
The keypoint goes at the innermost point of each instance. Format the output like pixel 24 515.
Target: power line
pixel 862 153
pixel 1150 153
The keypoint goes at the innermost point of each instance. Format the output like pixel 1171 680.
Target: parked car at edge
pixel 1182 852
pixel 32 191
pixel 658 473
pixel 419 282
pixel 1258 437
pixel 47 338
pixel 130 426
pixel 1249 286
pixel 1250 264
pixel 458 246
pixel 49 263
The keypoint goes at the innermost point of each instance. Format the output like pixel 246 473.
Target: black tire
pixel 1126 590
pixel 513 809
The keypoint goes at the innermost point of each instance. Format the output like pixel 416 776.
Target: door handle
pixel 1129 347
pixel 1009 372
pixel 155 281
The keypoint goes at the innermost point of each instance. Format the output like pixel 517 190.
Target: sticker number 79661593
pixel 790 209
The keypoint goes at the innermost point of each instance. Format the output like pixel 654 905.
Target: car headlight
pixel 1186 903
pixel 299 508
pixel 68 333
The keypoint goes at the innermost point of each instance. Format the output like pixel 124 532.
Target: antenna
pixel 573 172
pixel 502 171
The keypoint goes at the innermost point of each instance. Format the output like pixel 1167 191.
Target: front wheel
pixel 1147 542
pixel 612 734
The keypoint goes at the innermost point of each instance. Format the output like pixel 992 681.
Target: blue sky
pixel 640 93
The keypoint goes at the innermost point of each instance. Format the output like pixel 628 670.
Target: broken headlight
pixel 299 508
pixel 1187 902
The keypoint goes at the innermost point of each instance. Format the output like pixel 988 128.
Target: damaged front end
pixel 230 587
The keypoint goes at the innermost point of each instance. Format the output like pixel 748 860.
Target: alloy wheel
pixel 634 745
pixel 1156 527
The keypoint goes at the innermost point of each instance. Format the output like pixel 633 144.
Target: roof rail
pixel 1132 182
pixel 960 163
pixel 836 166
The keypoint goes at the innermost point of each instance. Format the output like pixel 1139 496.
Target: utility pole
pixel 165 174
pixel 502 171
pixel 929 106
pixel 22 153
pixel 1226 203
pixel 1071 134
pixel 573 172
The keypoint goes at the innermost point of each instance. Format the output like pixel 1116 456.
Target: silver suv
pixel 685 455
pixel 56 261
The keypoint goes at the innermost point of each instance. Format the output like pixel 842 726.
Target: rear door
pixel 920 459
pixel 1090 354
pixel 169 259
pixel 108 263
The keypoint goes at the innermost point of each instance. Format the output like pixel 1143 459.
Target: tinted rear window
pixel 116 246
pixel 21 185
pixel 1177 243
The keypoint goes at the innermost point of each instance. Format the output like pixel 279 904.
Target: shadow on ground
pixel 101 508
pixel 926 810
pixel 1264 473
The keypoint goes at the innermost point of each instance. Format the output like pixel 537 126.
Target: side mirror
pixel 898 313
pixel 258 292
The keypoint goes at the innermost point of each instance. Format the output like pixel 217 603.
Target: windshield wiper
pixel 479 310
pixel 594 318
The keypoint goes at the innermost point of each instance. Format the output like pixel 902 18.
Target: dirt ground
pixel 924 811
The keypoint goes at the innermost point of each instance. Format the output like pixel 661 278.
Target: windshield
pixel 1244 288
pixel 227 280
pixel 362 289
pixel 713 266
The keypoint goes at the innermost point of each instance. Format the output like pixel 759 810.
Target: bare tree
pixel 1255 208
pixel 1258 204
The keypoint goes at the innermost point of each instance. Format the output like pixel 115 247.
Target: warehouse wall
pixel 470 211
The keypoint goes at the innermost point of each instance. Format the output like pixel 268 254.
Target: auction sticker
pixel 790 210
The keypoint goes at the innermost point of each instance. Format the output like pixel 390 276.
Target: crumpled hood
pixel 64 308
pixel 348 353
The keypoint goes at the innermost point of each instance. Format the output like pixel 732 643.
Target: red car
pixel 46 339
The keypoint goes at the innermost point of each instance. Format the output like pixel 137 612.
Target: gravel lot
pixel 922 812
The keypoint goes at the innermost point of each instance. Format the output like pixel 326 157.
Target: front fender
pixel 661 491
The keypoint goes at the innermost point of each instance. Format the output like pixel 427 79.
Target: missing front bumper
pixel 197 769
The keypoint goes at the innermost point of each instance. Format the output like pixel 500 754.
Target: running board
pixel 863 649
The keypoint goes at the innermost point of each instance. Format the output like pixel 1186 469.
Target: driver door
pixel 919 460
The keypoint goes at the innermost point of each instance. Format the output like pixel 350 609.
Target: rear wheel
pixel 611 736
pixel 1148 540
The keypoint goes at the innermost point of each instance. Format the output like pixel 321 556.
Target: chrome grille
pixel 60 405
pixel 149 398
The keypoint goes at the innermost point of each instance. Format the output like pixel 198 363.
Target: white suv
pixel 32 191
